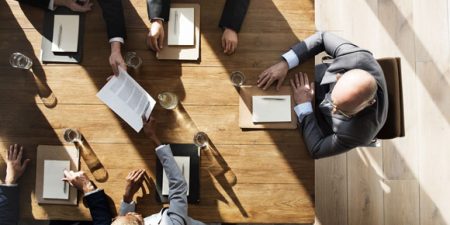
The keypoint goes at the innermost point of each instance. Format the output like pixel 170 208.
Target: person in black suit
pixel 232 17
pixel 9 189
pixel 112 14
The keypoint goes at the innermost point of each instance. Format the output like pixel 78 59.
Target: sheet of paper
pixel 181 26
pixel 271 108
pixel 183 163
pixel 54 187
pixel 127 99
pixel 65 33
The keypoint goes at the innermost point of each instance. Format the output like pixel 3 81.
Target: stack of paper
pixel 65 33
pixel 54 187
pixel 271 108
pixel 181 26
pixel 128 99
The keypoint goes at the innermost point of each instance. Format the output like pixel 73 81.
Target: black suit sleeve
pixel 9 205
pixel 158 9
pixel 38 3
pixel 113 16
pixel 99 207
pixel 233 14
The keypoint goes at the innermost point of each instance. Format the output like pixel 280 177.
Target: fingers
pixel 261 77
pixel 123 65
pixel 306 81
pixel 293 85
pixel 67 175
pixel 297 80
pixel 114 68
pixel 19 155
pixel 25 163
pixel 155 44
pixel 9 153
pixel 161 39
pixel 280 82
pixel 224 43
pixel 264 80
pixel 269 82
pixel 312 88
pixel 233 47
pixel 15 151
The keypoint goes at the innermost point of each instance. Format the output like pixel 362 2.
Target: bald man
pixel 351 91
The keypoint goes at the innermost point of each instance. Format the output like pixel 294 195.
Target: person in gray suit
pixel 9 189
pixel 177 212
pixel 351 91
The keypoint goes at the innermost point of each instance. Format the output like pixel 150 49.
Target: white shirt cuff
pixel 126 208
pixel 51 5
pixel 303 110
pixel 92 192
pixel 116 39
pixel 159 147
pixel 291 58
pixel 157 18
pixel 9 185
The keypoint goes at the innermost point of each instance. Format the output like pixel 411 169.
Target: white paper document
pixel 127 99
pixel 54 187
pixel 181 26
pixel 271 108
pixel 183 163
pixel 65 33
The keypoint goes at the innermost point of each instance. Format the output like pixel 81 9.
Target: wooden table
pixel 261 176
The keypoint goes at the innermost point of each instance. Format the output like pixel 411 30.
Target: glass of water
pixel 20 61
pixel 133 60
pixel 201 139
pixel 72 135
pixel 168 100
pixel 237 78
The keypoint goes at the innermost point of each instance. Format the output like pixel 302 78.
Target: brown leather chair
pixel 395 123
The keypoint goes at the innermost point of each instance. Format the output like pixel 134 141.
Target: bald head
pixel 354 91
pixel 129 219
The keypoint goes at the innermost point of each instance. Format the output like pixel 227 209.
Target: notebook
pixel 54 187
pixel 271 108
pixel 65 33
pixel 181 26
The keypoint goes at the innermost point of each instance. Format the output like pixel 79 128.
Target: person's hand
pixel 14 166
pixel 155 37
pixel 229 41
pixel 116 59
pixel 274 73
pixel 79 180
pixel 134 182
pixel 150 130
pixel 74 6
pixel 303 90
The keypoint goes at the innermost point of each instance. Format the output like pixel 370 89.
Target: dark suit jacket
pixel 232 16
pixel 112 14
pixel 325 133
pixel 99 207
pixel 9 205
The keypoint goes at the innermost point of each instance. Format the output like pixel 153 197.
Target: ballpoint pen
pixel 65 185
pixel 273 98
pixel 59 35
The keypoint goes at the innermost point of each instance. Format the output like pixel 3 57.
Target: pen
pixel 59 35
pixel 182 169
pixel 65 185
pixel 270 98
pixel 175 26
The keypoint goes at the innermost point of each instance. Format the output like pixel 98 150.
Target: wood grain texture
pixel 401 203
pixel 260 176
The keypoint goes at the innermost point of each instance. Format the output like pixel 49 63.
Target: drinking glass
pixel 72 135
pixel 201 139
pixel 133 60
pixel 237 78
pixel 20 61
pixel 168 100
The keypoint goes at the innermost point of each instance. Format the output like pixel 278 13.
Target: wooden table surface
pixel 263 176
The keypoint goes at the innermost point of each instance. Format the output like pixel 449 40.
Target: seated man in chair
pixel 350 91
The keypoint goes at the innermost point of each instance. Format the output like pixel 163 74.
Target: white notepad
pixel 271 108
pixel 181 26
pixel 183 163
pixel 128 99
pixel 54 187
pixel 65 33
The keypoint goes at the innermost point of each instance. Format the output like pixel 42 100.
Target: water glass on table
pixel 201 139
pixel 133 61
pixel 20 61
pixel 237 78
pixel 168 100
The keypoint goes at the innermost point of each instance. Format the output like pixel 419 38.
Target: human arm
pixel 95 198
pixel 9 190
pixel 158 12
pixel 232 17
pixel 134 182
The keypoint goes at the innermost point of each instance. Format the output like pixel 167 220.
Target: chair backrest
pixel 395 123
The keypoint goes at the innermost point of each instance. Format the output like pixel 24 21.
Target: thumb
pixel 25 163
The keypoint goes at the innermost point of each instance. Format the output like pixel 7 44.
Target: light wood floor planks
pixel 406 180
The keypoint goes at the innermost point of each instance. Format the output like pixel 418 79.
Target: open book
pixel 127 99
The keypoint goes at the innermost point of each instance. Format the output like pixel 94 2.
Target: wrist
pixel 88 187
pixel 127 198
pixel 115 47
pixel 159 21
pixel 10 181
pixel 156 140
pixel 60 2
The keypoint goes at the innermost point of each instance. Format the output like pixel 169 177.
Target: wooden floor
pixel 406 181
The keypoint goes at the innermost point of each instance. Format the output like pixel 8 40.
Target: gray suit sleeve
pixel 9 205
pixel 319 42
pixel 178 204
pixel 322 145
